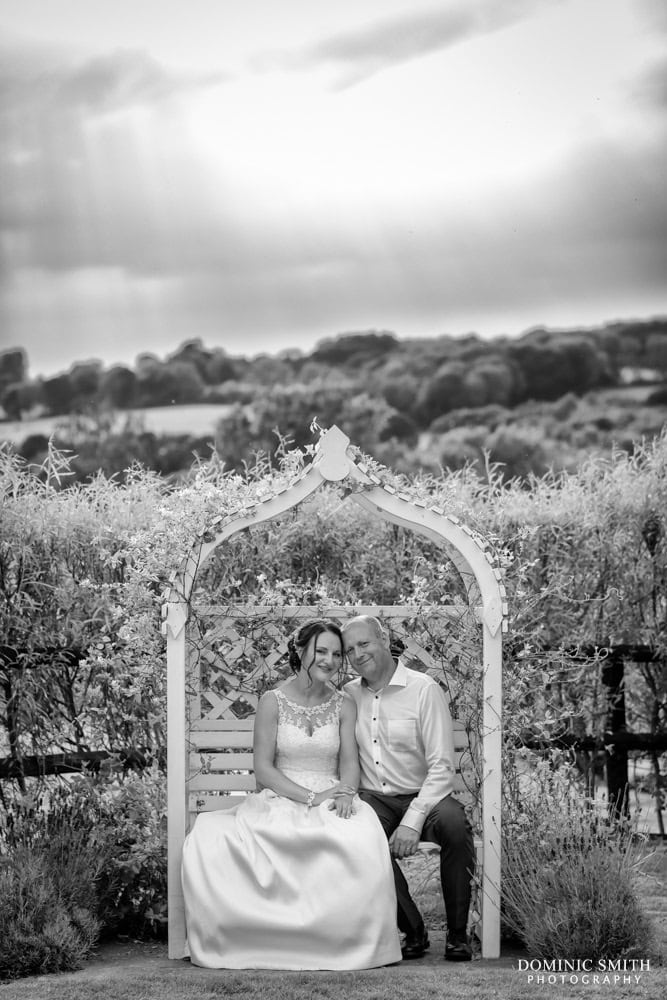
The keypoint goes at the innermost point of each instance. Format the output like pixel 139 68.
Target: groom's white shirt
pixel 406 741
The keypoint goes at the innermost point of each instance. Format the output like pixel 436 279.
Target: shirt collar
pixel 399 678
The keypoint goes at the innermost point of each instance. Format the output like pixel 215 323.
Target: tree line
pixel 432 402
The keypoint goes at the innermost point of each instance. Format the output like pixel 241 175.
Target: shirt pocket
pixel 402 734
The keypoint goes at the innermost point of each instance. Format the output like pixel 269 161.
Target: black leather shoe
pixel 458 950
pixel 415 945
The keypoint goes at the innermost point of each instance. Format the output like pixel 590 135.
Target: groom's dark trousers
pixel 446 825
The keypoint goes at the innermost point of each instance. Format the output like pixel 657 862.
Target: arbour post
pixel 176 772
pixel 491 791
pixel 482 579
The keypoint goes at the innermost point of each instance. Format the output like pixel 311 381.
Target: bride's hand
pixel 328 793
pixel 343 805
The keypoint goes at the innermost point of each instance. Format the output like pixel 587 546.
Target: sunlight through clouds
pixel 266 175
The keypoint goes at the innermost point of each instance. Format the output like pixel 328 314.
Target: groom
pixel 406 752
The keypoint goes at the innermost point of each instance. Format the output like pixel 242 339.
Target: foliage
pixel 293 408
pixel 569 876
pixel 132 836
pixel 38 932
pixel 381 390
pixel 550 366
pixel 98 444
pixel 13 366
pixel 176 382
pixel 49 869
pixel 103 844
pixel 71 680
pixel 355 349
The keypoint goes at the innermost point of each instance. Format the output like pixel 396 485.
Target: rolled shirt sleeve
pixel 438 743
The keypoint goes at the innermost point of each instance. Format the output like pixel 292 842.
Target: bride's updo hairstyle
pixel 298 642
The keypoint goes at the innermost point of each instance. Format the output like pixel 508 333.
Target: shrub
pixel 39 931
pixel 133 840
pixel 568 873
pixel 521 451
pixel 49 869
pixel 481 416
pixel 658 397
pixel 102 842
pixel 461 447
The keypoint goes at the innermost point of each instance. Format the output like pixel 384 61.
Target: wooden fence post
pixel 616 757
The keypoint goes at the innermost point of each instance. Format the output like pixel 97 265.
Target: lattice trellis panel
pixel 235 660
pixel 235 654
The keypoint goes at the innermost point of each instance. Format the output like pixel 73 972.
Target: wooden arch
pixel 334 462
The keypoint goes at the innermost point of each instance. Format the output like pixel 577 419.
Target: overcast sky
pixel 266 173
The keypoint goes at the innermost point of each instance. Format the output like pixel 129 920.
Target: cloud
pixel 356 55
pixel 72 194
pixel 125 78
pixel 651 87
pixel 585 245
pixel 654 13
pixel 44 80
pixel 594 230
pixel 113 221
pixel 603 205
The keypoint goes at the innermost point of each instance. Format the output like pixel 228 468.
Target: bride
pixel 299 875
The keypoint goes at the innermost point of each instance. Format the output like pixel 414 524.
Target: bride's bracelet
pixel 345 790
pixel 310 799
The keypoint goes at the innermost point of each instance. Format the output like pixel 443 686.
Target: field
pixel 197 420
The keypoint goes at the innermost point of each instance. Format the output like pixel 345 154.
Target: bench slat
pixel 235 733
pixel 226 782
pixel 209 802
pixel 220 762
pixel 217 741
pixel 223 725
pixel 222 782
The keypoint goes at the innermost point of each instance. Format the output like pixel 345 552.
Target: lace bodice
pixel 308 741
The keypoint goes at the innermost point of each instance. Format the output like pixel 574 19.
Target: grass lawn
pixel 179 981
pixel 142 971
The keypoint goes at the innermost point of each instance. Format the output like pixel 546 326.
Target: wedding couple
pixel 299 876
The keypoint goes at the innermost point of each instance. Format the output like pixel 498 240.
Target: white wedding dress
pixel 270 884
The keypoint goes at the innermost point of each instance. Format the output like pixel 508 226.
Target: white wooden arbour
pixel 333 462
